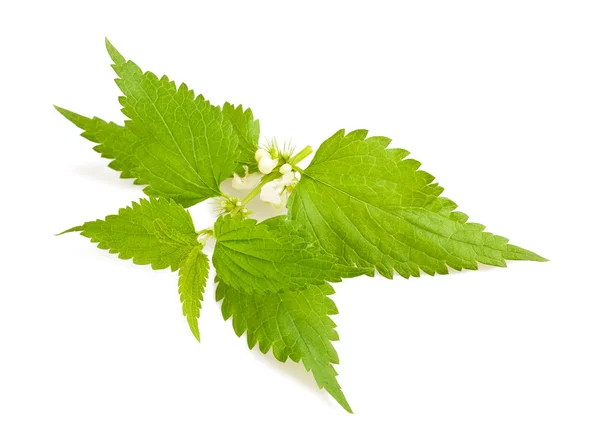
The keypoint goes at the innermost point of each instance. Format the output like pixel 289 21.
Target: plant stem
pixel 254 192
pixel 301 155
pixel 208 231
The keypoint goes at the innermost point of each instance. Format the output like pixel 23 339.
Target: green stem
pixel 208 231
pixel 301 155
pixel 254 192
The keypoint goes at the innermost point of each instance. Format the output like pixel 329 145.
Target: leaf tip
pixel 77 119
pixel 344 403
pixel 113 52
pixel 193 324
pixel 72 229
pixel 66 113
pixel 515 253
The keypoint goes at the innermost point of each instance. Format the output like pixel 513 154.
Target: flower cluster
pixel 227 203
pixel 276 191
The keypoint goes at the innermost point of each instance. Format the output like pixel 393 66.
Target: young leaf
pixel 256 258
pixel 248 132
pixel 294 325
pixel 160 233
pixel 186 147
pixel 144 232
pixel 371 206
pixel 114 142
pixel 192 281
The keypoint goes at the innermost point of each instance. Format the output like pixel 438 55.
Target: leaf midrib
pixel 312 177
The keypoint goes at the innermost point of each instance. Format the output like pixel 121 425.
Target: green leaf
pixel 186 147
pixel 294 325
pixel 192 281
pixel 160 233
pixel 113 141
pixel 373 207
pixel 170 235
pixel 283 225
pixel 248 133
pixel 134 234
pixel 256 258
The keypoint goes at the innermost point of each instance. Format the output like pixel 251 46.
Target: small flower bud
pixel 285 168
pixel 238 204
pixel 260 153
pixel 266 165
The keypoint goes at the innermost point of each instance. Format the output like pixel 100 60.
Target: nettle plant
pixel 359 207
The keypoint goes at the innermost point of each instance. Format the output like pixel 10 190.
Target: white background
pixel 499 100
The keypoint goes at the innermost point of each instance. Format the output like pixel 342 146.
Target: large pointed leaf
pixel 371 206
pixel 186 147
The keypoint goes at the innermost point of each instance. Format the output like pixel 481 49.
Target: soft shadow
pixel 99 172
pixel 295 371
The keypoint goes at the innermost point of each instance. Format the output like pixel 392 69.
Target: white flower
pixel 288 178
pixel 271 192
pixel 260 153
pixel 276 191
pixel 248 181
pixel 240 183
pixel 267 164
pixel 285 168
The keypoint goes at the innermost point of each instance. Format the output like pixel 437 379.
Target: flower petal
pixel 271 192
pixel 288 178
